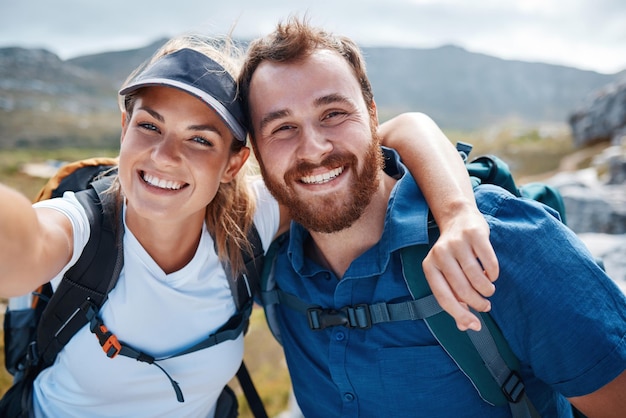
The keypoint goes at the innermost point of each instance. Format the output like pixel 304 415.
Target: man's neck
pixel 337 250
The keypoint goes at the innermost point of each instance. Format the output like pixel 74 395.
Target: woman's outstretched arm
pixel 35 244
pixel 462 265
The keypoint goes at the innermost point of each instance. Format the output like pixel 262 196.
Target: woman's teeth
pixel 160 183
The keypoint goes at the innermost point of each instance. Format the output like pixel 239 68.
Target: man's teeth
pixel 160 183
pixel 322 178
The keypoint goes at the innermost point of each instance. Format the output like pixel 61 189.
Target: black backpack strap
pixel 91 277
pixel 362 316
pixel 252 396
pixel 246 286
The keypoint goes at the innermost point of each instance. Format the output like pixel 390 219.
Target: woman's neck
pixel 172 245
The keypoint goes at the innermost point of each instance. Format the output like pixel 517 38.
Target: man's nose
pixel 314 144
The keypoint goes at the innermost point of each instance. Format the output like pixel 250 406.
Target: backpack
pixel 490 169
pixel 484 356
pixel 36 333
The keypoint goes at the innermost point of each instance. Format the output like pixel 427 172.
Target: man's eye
pixel 283 129
pixel 333 115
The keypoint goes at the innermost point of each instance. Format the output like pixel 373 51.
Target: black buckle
pixel 323 318
pixel 350 317
pixel 513 387
pixel 32 355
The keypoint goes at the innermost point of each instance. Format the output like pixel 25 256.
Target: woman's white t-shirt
pixel 159 314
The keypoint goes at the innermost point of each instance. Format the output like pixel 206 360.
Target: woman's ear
pixel 124 126
pixel 235 162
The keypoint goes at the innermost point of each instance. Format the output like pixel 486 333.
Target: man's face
pixel 315 139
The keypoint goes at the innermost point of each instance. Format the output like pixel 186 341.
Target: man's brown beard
pixel 325 214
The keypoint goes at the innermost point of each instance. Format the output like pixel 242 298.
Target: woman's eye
pixel 148 126
pixel 202 141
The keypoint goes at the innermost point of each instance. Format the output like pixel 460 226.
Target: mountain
pixel 117 65
pixel 46 101
pixel 465 90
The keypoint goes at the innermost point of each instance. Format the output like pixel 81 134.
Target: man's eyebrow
pixel 332 98
pixel 272 116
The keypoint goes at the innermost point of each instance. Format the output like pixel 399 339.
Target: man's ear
pixel 235 162
pixel 373 114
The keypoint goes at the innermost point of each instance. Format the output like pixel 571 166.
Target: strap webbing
pixel 510 382
pixel 356 316
pixel 254 400
pixel 113 347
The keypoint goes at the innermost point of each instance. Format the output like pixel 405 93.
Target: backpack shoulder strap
pixel 247 286
pixel 269 298
pixel 92 277
pixel 362 316
pixel 484 356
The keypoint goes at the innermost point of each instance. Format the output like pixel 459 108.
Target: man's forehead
pixel 322 59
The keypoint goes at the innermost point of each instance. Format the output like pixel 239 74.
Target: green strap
pixel 484 356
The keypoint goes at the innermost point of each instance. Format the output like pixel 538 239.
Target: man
pixel 314 134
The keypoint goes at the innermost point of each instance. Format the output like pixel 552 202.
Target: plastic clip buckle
pixel 323 318
pixel 111 344
pixel 513 387
pixel 360 317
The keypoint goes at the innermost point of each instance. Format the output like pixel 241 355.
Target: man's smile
pixel 322 178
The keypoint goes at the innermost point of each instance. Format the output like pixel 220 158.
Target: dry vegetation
pixel 529 153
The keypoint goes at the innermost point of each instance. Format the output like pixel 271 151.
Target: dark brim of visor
pixel 200 76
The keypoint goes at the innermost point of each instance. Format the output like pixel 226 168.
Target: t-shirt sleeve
pixel 267 215
pixel 562 315
pixel 69 206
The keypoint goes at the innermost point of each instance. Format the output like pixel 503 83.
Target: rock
pixel 603 117
pixel 595 197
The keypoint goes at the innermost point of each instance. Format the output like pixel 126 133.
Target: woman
pixel 186 203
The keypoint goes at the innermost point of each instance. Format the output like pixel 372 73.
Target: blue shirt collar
pixel 406 224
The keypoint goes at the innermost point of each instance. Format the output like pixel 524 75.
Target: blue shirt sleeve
pixel 563 317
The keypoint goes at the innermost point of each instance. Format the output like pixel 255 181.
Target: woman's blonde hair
pixel 230 214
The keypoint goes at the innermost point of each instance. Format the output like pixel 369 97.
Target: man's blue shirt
pixel 564 319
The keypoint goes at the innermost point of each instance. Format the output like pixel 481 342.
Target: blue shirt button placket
pixel 338 371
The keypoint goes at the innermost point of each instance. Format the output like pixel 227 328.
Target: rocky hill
pixel 46 101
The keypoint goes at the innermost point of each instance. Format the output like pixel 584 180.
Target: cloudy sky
pixel 587 34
